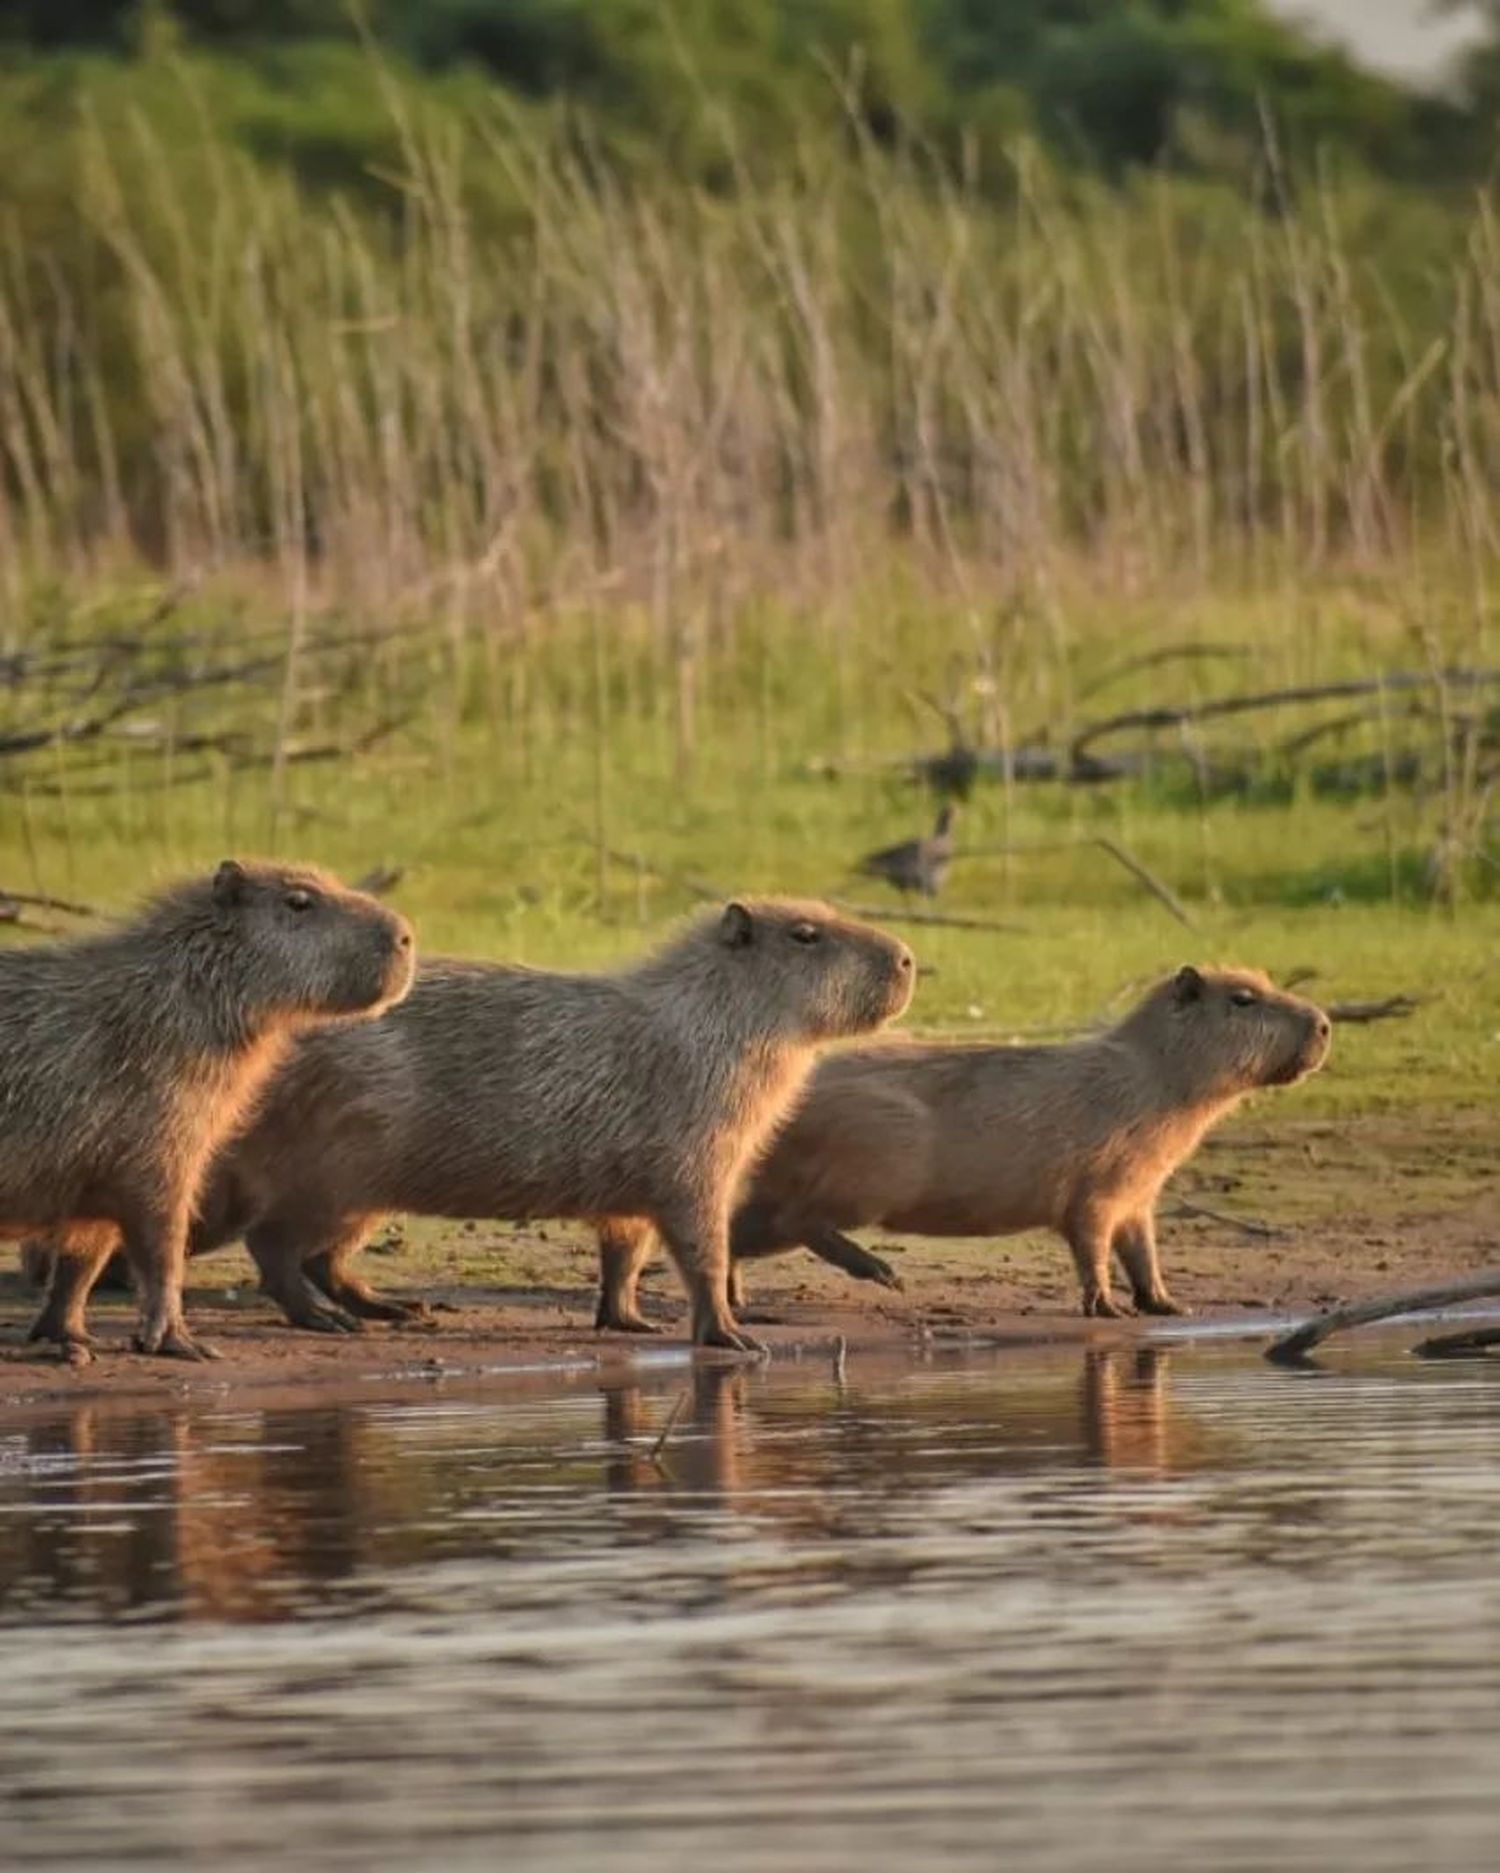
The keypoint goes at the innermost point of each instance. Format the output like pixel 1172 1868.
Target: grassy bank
pixel 549 802
pixel 582 541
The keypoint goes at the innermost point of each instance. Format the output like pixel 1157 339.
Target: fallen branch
pixel 1391 1008
pixel 882 913
pixel 43 902
pixel 1294 1346
pixel 1176 716
pixel 1457 1345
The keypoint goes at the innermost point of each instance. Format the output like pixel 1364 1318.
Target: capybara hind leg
pixel 75 1264
pixel 841 1251
pixel 699 1244
pixel 330 1270
pixel 1135 1245
pixel 277 1253
pixel 155 1244
pixel 625 1244
pixel 37 1260
pixel 1089 1238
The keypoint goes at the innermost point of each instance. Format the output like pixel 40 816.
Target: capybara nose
pixel 905 962
pixel 1324 1027
pixel 403 940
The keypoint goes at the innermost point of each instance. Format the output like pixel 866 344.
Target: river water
pixel 1140 1608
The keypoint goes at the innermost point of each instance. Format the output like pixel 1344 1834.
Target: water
pixel 1170 1609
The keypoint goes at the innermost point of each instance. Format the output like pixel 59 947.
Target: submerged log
pixel 1294 1346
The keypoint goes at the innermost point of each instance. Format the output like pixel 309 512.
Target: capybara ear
pixel 229 883
pixel 1187 984
pixel 736 927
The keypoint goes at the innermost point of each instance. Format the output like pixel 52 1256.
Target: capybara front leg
pixel 76 1262
pixel 155 1245
pixel 278 1254
pixel 330 1270
pixel 1089 1238
pixel 1135 1245
pixel 625 1244
pixel 699 1244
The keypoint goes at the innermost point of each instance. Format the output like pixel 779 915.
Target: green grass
pixel 493 795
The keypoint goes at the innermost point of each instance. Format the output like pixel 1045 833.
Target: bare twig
pixel 1154 659
pixel 695 887
pixel 1247 1225
pixel 382 879
pixel 666 1430
pixel 1168 901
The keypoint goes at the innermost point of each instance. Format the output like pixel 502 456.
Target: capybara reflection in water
pixel 964 1140
pixel 129 1056
pixel 505 1092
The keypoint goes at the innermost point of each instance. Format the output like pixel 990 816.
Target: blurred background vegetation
pixel 581 450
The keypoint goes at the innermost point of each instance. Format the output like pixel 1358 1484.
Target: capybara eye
pixel 805 933
pixel 1244 998
pixel 298 899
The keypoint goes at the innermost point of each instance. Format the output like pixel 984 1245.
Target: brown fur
pixel 505 1092
pixel 987 1141
pixel 129 1057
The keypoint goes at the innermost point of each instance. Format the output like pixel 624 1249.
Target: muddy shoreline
pixel 546 1331
pixel 1271 1223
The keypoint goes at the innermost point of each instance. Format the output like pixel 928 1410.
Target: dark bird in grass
pixel 916 864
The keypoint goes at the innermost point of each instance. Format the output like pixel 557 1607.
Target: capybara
pixel 129 1056
pixel 495 1091
pixel 962 1140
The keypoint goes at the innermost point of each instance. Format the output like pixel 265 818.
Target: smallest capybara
pixel 963 1140
pixel 129 1056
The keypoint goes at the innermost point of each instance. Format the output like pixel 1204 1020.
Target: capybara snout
pixel 1312 1041
pixel 345 953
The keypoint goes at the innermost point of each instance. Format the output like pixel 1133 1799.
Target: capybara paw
pixel 44 1327
pixel 377 1307
pixel 173 1343
pixel 619 1320
pixel 325 1320
pixel 725 1335
pixel 887 1277
pixel 1101 1306
pixel 1160 1303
